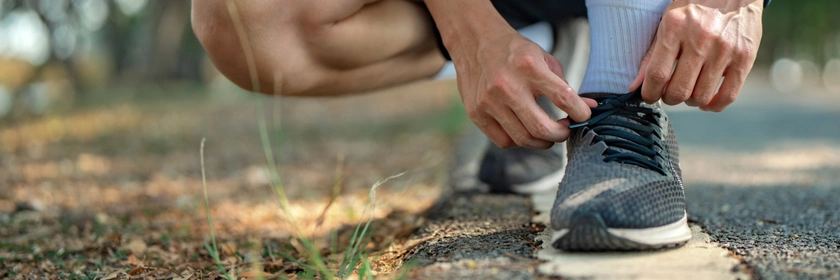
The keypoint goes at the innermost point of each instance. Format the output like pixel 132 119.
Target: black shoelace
pixel 640 143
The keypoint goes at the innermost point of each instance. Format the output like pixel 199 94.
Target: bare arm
pixel 500 75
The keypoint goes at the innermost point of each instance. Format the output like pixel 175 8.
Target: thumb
pixel 642 67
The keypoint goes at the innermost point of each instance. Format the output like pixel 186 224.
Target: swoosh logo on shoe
pixel 583 196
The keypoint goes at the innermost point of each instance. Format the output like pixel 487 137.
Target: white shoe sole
pixel 670 235
pixel 544 184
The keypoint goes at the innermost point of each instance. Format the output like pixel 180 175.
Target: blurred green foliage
pixel 801 29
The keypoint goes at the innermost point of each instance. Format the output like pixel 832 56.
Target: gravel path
pixel 477 236
pixel 763 179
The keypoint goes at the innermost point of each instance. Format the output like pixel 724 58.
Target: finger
pixel 732 82
pixel 590 102
pixel 640 77
pixel 495 132
pixel 707 84
pixel 659 68
pixel 562 95
pixel 682 82
pixel 554 66
pixel 517 131
pixel 566 122
pixel 538 123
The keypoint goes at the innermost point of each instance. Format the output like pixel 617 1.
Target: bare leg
pixel 319 47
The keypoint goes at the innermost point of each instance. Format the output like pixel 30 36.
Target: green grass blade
pixel 351 255
pixel 214 250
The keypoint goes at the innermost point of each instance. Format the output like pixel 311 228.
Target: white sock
pixel 540 33
pixel 621 32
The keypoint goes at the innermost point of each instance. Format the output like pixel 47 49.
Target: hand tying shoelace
pixel 630 130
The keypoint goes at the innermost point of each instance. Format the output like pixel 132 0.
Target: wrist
pixel 462 31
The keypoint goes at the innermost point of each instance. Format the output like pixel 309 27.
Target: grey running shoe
pixel 523 170
pixel 623 188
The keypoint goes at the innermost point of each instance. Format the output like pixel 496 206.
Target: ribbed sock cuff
pixel 621 33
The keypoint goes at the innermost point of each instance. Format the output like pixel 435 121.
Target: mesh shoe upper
pixel 622 166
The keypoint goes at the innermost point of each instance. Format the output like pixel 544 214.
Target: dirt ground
pixel 112 189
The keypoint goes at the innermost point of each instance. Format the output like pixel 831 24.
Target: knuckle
pixel 525 62
pixel 540 131
pixel 475 115
pixel 673 19
pixel 695 101
pixel 659 75
pixel 500 83
pixel 725 46
pixel 670 100
pixel 718 108
pixel 505 143
pixel 737 73
pixel 680 93
pixel 522 140
pixel 564 96
pixel 746 54
pixel 728 98
pixel 484 102
pixel 706 35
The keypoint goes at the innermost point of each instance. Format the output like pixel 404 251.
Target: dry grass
pixel 115 190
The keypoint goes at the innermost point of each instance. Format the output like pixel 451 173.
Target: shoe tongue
pixel 634 100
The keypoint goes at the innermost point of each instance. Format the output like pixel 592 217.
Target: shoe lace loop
pixel 632 132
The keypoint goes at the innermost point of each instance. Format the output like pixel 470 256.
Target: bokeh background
pixel 53 52
pixel 103 104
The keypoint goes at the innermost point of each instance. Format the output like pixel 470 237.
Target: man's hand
pixel 501 74
pixel 710 40
pixel 499 85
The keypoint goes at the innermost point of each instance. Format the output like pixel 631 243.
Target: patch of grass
pixel 165 240
pixel 303 250
pixel 11 247
pixel 121 254
pixel 212 248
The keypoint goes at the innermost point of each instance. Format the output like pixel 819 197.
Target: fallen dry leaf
pixel 111 275
pixel 132 260
pixel 255 274
pixel 184 275
pixel 137 246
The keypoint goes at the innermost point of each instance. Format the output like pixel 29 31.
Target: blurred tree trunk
pixel 151 47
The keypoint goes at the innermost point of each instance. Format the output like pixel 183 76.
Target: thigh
pixel 317 47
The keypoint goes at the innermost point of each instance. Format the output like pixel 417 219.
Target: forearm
pixel 463 31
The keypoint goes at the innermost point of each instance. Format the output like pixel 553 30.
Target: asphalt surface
pixel 476 236
pixel 763 179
